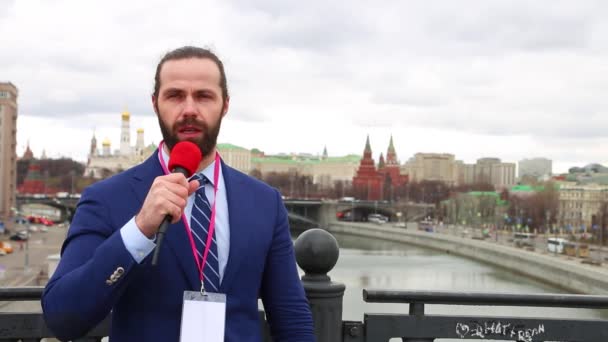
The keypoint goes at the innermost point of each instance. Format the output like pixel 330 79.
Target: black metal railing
pixel 419 327
pixel 317 253
pixel 30 326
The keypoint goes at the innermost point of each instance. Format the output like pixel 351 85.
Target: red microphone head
pixel 187 155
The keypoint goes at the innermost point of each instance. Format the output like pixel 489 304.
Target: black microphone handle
pixel 160 235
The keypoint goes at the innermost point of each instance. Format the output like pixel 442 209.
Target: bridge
pixel 303 213
pixel 320 213
pixel 66 205
pixel 317 252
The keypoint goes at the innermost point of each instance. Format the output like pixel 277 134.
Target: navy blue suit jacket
pixel 146 301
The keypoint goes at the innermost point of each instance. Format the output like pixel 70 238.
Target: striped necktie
pixel 199 225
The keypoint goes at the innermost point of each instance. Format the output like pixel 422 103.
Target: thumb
pixel 192 186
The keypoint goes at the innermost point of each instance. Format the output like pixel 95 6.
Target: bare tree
pixel 536 210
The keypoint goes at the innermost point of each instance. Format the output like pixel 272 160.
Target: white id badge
pixel 203 317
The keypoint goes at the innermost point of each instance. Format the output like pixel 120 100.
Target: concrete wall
pixel 568 275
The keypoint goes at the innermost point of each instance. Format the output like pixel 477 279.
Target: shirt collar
pixel 207 172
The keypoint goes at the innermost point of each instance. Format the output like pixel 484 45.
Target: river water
pixel 375 264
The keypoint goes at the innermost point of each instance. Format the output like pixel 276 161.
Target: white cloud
pixel 511 79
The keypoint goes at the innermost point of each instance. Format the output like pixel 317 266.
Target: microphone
pixel 185 158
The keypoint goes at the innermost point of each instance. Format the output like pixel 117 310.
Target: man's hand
pixel 167 196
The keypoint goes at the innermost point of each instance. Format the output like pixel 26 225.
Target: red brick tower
pixel 367 182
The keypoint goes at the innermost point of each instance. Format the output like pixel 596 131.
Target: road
pixel 506 238
pixel 13 270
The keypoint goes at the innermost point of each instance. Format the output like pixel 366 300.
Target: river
pixel 374 264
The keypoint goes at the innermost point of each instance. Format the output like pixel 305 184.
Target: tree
pixel 538 209
pixel 480 186
pixel 505 195
pixel 256 173
pixel 428 191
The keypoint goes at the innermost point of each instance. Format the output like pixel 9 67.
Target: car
pixel 524 239
pixel 426 225
pixel 20 236
pixel 46 221
pixel 21 220
pixel 6 247
pixel 377 218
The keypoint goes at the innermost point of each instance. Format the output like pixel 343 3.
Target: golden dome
pixel 126 115
pixel 140 130
pixel 106 142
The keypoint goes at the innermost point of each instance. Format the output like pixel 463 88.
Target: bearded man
pixel 228 237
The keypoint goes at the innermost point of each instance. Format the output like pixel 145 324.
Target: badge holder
pixel 204 313
pixel 203 316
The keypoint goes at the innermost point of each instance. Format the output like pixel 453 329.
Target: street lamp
pixel 26 261
pixel 548 224
pixel 601 227
pixel 352 210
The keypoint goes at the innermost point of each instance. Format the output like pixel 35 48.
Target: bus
pixel 556 245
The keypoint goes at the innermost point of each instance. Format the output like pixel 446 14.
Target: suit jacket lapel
pixel 176 239
pixel 238 202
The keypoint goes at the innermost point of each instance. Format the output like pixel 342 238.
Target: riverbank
pixel 568 274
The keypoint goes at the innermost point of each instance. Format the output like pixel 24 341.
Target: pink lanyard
pixel 199 263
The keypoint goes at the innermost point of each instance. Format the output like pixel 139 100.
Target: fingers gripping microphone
pixel 185 158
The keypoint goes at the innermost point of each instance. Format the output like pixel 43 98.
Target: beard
pixel 206 143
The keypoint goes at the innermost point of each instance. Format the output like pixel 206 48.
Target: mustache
pixel 193 122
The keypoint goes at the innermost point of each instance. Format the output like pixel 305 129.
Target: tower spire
pixel 368 147
pixel 391 147
pixel 391 155
pixel 28 154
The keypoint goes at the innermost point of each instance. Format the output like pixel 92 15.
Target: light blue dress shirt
pixel 139 246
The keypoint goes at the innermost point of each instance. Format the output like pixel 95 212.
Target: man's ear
pixel 226 106
pixel 154 103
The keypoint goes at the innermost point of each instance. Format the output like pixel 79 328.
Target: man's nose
pixel 189 106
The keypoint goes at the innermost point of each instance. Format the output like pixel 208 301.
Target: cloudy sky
pixel 508 79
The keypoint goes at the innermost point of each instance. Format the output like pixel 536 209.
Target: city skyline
pixel 375 155
pixel 511 80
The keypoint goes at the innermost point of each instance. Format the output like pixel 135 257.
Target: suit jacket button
pixel 120 271
pixel 109 282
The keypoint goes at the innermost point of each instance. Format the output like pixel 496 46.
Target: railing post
pixel 417 309
pixel 317 252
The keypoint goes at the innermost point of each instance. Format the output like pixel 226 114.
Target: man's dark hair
pixel 186 52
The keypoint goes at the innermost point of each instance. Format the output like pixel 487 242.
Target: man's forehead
pixel 190 69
